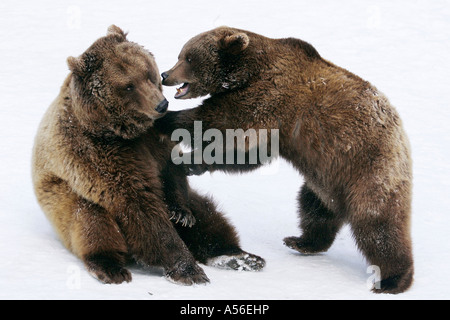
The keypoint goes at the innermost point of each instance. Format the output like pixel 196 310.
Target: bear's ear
pixel 235 43
pixel 84 65
pixel 115 30
pixel 76 65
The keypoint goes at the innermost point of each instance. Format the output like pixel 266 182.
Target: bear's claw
pixel 182 216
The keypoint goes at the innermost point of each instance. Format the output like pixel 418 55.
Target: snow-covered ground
pixel 402 47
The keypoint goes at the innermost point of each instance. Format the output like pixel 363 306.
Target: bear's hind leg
pixel 213 240
pixel 385 241
pixel 97 240
pixel 318 224
pixel 385 248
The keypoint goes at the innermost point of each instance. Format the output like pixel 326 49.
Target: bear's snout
pixel 164 76
pixel 167 79
pixel 162 106
pixel 178 74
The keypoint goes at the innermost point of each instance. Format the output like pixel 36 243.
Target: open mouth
pixel 182 91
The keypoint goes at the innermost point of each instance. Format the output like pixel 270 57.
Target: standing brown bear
pixel 104 176
pixel 338 130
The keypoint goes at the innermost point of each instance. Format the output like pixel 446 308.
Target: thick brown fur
pixel 336 129
pixel 104 177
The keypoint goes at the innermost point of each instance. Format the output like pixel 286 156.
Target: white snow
pixel 402 47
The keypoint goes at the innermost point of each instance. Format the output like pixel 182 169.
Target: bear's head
pixel 115 87
pixel 213 62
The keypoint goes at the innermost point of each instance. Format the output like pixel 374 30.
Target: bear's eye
pixel 188 59
pixel 129 87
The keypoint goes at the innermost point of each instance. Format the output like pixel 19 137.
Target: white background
pixel 402 47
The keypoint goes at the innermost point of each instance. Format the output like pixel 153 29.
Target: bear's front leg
pixel 107 267
pixel 186 274
pixel 176 197
pixel 226 165
pixel 97 240
pixel 153 241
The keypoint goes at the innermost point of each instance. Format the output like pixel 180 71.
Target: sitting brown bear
pixel 336 129
pixel 103 176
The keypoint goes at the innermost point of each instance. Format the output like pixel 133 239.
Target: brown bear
pixel 104 176
pixel 336 129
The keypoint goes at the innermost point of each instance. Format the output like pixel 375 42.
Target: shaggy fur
pixel 336 129
pixel 103 176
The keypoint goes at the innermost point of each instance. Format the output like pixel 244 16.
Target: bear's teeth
pixel 182 91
